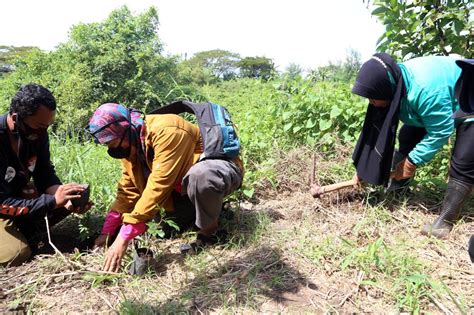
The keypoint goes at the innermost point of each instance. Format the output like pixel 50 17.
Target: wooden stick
pixel 317 191
pixel 50 241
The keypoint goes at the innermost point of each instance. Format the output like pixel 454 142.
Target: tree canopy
pixel 341 70
pixel 220 63
pixel 426 27
pixel 117 60
pixel 256 67
pixel 124 57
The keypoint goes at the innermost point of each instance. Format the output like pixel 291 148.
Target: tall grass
pixel 87 163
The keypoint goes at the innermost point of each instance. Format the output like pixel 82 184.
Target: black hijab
pixel 379 78
pixel 464 89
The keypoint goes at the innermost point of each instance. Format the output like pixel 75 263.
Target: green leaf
pixel 347 260
pixel 287 126
pixel 414 26
pixel 417 278
pixel 248 192
pixel 458 26
pixel 325 124
pixel 172 224
pixel 369 282
pixel 335 111
pixel 347 242
pixel 286 115
pixel 380 10
pixel 394 4
pixel 310 123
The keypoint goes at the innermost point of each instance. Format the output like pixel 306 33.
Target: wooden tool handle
pixel 337 186
pixel 317 191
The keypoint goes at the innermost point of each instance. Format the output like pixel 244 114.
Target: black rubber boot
pixel 471 248
pixel 202 241
pixel 456 194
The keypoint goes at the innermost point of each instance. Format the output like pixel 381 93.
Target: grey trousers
pixel 207 183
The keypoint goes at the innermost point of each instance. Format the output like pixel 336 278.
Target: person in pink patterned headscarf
pixel 160 170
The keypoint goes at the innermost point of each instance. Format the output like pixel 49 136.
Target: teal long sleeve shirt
pixel 429 102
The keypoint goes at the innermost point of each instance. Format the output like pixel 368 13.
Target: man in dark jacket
pixel 29 187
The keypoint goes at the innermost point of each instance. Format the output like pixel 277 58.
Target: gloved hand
pixel 404 169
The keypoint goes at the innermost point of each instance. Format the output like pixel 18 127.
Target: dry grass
pixel 349 252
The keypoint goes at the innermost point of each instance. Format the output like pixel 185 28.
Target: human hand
pixel 404 169
pixel 51 190
pixel 114 255
pixel 67 192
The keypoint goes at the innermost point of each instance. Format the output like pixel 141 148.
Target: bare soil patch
pixel 355 251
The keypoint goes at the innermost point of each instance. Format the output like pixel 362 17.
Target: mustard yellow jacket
pixel 172 146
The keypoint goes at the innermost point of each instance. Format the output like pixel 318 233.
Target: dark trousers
pixel 33 227
pixel 409 137
pixel 462 157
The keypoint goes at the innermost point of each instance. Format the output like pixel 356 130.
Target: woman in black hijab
pixel 380 80
pixel 420 93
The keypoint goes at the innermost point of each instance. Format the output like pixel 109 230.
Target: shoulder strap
pixel 176 108
pixel 202 111
pixel 3 122
pixel 4 140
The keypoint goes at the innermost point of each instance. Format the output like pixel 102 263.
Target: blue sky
pixel 306 32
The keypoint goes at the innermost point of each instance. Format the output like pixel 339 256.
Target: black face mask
pixel 28 133
pixel 119 152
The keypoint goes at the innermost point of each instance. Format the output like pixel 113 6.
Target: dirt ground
pixel 349 252
pixel 271 275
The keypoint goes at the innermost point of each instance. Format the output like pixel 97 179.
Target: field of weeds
pixel 355 251
pixel 358 250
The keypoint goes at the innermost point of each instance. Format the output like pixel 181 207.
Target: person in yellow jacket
pixel 161 168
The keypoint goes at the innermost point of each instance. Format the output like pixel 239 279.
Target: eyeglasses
pixel 95 133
